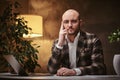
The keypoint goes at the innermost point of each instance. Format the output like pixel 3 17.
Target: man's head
pixel 71 21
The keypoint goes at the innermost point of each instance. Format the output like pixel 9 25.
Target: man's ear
pixel 81 22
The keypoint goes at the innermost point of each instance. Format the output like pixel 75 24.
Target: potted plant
pixel 12 41
pixel 115 37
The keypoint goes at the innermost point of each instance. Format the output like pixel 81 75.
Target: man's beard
pixel 73 32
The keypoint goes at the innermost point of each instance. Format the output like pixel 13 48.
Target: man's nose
pixel 70 24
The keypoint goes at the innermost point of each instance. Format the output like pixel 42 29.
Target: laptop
pixel 19 70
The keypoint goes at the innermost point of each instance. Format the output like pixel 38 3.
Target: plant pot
pixel 116 63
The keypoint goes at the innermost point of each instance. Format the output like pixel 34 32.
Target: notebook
pixel 19 70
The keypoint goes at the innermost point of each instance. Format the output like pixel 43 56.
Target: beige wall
pixel 100 17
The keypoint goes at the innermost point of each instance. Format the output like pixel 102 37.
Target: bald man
pixel 76 52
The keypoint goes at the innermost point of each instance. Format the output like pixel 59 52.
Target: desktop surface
pixel 9 76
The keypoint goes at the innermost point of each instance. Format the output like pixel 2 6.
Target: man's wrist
pixel 77 70
pixel 60 47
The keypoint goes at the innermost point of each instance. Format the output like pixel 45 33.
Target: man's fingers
pixel 61 28
pixel 63 31
pixel 65 72
pixel 59 72
pixel 62 72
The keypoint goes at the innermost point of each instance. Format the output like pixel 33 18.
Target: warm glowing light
pixel 36 23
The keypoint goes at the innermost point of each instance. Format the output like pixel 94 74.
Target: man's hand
pixel 65 72
pixel 62 34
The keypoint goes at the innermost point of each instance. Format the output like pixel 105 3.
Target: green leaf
pixel 12 29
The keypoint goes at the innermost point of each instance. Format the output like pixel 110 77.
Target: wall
pixel 100 17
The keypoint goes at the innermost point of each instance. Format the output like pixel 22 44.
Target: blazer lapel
pixel 80 46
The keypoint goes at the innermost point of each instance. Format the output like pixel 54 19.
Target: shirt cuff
pixel 59 47
pixel 77 70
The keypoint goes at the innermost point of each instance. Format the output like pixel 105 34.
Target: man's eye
pixel 74 21
pixel 66 21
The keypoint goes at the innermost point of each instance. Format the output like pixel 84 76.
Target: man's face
pixel 71 22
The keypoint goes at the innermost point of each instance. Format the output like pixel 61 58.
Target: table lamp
pixel 36 23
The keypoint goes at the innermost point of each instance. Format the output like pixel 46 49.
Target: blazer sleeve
pixel 55 59
pixel 97 66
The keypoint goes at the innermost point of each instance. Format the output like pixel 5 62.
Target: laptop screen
pixel 19 70
pixel 15 65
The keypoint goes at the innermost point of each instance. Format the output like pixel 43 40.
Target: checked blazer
pixel 89 56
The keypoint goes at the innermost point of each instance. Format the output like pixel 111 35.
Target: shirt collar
pixel 75 40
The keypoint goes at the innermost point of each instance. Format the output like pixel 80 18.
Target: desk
pixel 85 77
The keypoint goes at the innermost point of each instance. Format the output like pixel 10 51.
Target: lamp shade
pixel 36 23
